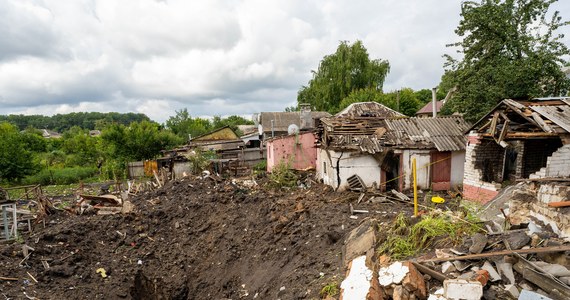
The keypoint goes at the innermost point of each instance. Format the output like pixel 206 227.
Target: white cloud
pixel 214 57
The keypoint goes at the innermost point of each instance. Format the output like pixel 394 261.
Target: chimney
pixel 434 102
pixel 305 115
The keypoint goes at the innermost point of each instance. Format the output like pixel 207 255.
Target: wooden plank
pixel 541 122
pixel 484 126
pixel 543 281
pixel 503 132
pixel 559 204
pixel 494 123
pixel 500 253
pixel 427 270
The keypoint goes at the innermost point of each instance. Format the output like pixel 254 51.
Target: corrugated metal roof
pixel 443 133
pixel 559 114
pixel 282 120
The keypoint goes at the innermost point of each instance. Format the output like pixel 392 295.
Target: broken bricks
pixel 400 280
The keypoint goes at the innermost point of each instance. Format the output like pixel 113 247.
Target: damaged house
pixel 377 144
pixel 517 140
pixel 273 124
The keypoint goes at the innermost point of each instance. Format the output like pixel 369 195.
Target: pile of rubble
pixel 502 261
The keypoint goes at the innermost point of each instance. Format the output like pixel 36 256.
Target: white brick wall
pixel 557 165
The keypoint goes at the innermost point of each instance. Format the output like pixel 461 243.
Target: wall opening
pixel 536 154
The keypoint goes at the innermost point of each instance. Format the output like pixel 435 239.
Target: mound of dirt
pixel 191 239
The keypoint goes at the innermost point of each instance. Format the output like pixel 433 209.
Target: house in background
pixel 517 140
pixel 220 139
pixel 273 124
pixel 50 134
pixel 298 150
pixel 250 135
pixel 427 110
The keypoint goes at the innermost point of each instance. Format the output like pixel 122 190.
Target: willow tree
pixel 510 49
pixel 348 69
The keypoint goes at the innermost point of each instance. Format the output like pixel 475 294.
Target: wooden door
pixel 441 171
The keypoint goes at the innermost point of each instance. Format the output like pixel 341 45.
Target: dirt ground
pixel 192 239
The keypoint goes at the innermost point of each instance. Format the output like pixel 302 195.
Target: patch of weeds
pixel 332 289
pixel 442 227
pixel 200 160
pixel 282 176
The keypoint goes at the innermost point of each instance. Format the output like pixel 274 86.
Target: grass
pixel 62 176
pixel 405 240
pixel 332 289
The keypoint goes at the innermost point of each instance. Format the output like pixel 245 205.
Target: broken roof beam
pixel 540 122
pixel 494 123
pixel 520 109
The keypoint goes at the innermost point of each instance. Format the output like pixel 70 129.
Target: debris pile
pixel 194 238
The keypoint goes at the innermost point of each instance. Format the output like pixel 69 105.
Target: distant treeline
pixel 63 122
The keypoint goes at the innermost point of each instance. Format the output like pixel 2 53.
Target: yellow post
pixel 415 187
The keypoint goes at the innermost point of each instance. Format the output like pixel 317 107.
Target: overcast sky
pixel 212 57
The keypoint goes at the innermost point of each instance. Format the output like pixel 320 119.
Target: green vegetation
pixel 63 122
pixel 405 240
pixel 282 176
pixel 330 290
pixel 26 157
pixel 510 49
pixel 200 160
pixel 339 74
pixel 183 125
pixel 16 160
pixel 349 75
pixel 61 176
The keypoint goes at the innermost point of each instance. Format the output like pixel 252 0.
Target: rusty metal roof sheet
pixel 443 133
pixel 558 114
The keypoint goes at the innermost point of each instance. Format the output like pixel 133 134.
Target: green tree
pixel 80 147
pixel 349 68
pixel 138 141
pixel 183 125
pixel 231 121
pixel 16 161
pixel 510 49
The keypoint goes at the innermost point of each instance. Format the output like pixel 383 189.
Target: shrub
pixel 282 176
pixel 61 176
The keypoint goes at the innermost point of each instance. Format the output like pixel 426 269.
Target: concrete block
pixel 512 290
pixel 456 289
pixel 492 272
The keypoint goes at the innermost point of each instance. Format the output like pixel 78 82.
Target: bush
pixel 61 176
pixel 260 166
pixel 282 176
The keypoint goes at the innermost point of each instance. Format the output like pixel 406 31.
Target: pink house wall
pixel 299 149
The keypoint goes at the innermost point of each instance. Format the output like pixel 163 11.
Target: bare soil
pixel 192 239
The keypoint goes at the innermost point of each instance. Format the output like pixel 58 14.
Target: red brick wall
pixel 478 194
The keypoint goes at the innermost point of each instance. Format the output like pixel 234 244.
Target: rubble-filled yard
pixel 191 239
pixel 212 238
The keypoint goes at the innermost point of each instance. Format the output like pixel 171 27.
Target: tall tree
pixel 510 49
pixel 349 68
